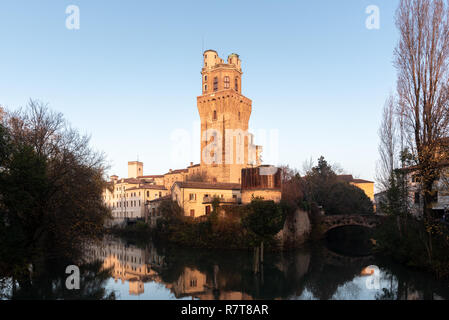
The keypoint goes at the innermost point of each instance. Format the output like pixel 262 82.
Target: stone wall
pixel 296 230
pixel 266 194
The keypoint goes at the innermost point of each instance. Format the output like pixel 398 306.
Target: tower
pixel 226 145
pixel 135 169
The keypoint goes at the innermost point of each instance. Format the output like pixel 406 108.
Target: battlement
pixel 213 61
pixel 219 75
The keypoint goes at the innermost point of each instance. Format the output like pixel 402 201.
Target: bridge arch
pixel 335 221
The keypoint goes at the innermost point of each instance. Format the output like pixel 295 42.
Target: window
pixel 226 82
pixel 236 84
pixel 192 213
pixel 205 88
pixel 148 193
pixel 160 194
pixel 239 115
pixel 215 115
pixel 205 78
pixel 215 84
pixel 192 196
pixel 416 197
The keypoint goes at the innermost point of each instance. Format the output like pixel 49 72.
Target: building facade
pixel 226 149
pixel 226 145
pixel 366 185
pixel 196 198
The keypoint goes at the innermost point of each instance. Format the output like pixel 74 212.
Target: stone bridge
pixel 335 221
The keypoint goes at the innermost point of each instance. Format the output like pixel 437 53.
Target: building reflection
pixel 136 266
pixel 128 263
pixel 215 275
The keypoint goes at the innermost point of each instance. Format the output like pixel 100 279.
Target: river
pixel 326 270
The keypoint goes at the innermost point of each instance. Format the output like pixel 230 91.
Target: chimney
pixel 191 164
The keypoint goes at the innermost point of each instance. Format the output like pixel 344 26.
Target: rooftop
pixel 148 186
pixel 349 178
pixel 208 185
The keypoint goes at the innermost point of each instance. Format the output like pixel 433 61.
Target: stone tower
pixel 135 169
pixel 226 145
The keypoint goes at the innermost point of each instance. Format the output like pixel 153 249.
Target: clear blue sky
pixel 130 75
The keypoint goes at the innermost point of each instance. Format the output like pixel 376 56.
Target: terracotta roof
pixel 207 185
pixel 349 178
pixel 151 176
pixel 168 197
pixel 361 181
pixel 177 171
pixel 149 186
pixel 129 180
pixel 345 177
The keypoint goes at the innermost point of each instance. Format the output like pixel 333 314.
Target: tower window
pixel 205 88
pixel 226 82
pixel 236 84
pixel 205 78
pixel 215 84
pixel 215 115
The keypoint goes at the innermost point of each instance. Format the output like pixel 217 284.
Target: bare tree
pixel 387 145
pixel 307 166
pixel 421 59
pixel 60 179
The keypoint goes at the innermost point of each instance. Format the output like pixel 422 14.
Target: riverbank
pixel 277 225
pixel 222 234
pixel 414 244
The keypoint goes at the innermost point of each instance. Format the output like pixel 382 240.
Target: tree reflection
pixel 50 285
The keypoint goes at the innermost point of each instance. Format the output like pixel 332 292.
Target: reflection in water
pixel 315 272
pixel 117 269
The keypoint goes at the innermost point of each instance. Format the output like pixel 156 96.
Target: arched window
pixel 226 82
pixel 215 83
pixel 215 115
pixel 236 84
pixel 205 88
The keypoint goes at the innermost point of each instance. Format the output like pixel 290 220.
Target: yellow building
pixel 196 197
pixel 365 185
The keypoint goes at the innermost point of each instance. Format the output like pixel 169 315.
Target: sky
pixel 129 76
